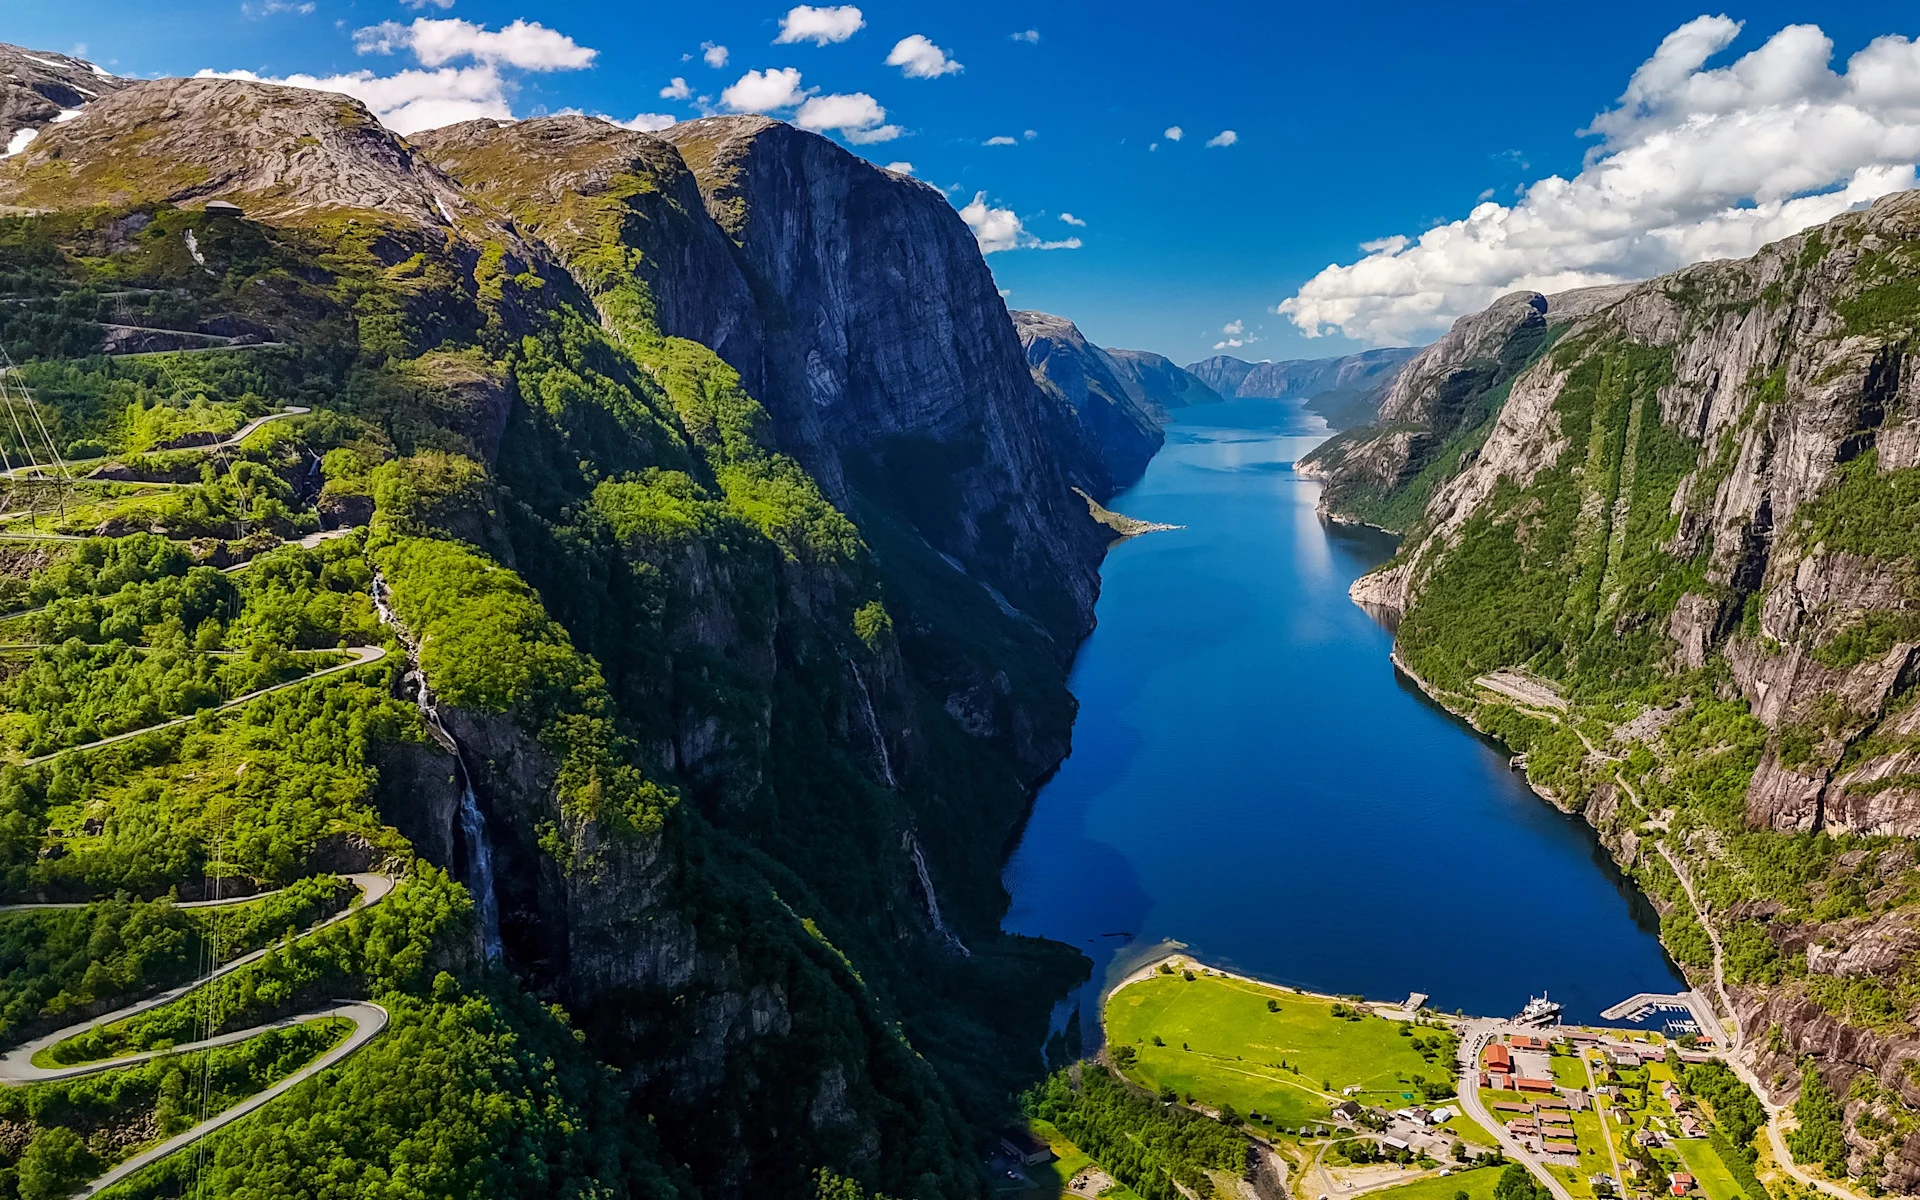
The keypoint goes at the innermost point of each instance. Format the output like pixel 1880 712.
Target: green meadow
pixel 1709 1171
pixel 1219 1042
pixel 1476 1184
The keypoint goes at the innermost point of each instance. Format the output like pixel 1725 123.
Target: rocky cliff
pixel 1689 506
pixel 1346 390
pixel 1096 393
pixel 734 536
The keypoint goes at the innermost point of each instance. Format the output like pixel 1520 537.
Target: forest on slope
pixel 750 691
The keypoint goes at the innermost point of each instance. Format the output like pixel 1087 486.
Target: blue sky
pixel 1353 123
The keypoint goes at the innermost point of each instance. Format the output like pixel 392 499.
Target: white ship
pixel 1539 1011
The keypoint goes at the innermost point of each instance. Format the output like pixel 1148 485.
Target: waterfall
pixel 912 846
pixel 478 851
pixel 879 742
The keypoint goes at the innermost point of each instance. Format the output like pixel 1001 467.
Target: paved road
pixel 35 907
pixel 362 655
pixel 1474 1037
pixel 17 1066
pixel 368 1020
pixel 233 439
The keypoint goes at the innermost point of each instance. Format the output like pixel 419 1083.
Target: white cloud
pixel 856 116
pixel 428 3
pixel 1234 328
pixel 1026 35
pixel 274 7
pixel 1070 219
pixel 764 91
pixel 1003 140
pixel 411 100
pixel 918 58
pixel 1693 163
pixel 1229 344
pixel 676 90
pixel 1174 133
pixel 999 229
pixel 1030 134
pixel 648 122
pixel 714 54
pixel 1226 137
pixel 806 23
pixel 528 45
pixel 903 168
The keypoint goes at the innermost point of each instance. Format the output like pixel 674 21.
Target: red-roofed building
pixel 1498 1059
pixel 1533 1085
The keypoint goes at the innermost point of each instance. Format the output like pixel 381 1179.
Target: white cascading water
pixel 912 847
pixel 473 826
pixel 873 724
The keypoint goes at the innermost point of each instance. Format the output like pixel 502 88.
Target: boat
pixel 1539 1011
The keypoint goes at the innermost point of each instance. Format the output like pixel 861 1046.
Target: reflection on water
pixel 1250 778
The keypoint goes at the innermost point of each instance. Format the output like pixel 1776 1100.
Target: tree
pixel 1273 1006
pixel 56 1162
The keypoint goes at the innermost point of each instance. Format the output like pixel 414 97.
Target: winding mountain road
pixel 362 656
pixel 17 1067
pixel 368 1020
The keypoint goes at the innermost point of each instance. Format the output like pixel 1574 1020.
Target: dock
pixel 1637 1006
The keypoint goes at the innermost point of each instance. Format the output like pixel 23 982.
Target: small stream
pixel 1250 778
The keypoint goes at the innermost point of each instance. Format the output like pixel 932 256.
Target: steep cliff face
pixel 1086 384
pixel 889 363
pixel 752 645
pixel 1690 504
pixel 1346 390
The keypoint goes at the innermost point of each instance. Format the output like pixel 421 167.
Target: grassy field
pixel 1569 1071
pixel 1234 1047
pixel 1708 1171
pixel 1477 1184
pixel 1469 1131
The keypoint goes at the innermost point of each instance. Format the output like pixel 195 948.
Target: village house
pixel 1498 1059
pixel 1025 1146
pixel 1534 1085
pixel 1348 1111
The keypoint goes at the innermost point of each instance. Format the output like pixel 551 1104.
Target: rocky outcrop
pixel 1087 388
pixel 279 153
pixel 39 88
pixel 1346 390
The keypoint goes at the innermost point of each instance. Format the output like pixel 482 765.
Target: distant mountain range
pixel 1346 391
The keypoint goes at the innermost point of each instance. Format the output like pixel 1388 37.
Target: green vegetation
pixel 57 963
pixel 1223 1046
pixel 643 621
pixel 1144 1144
pixel 1712 1175
pixel 1821 1137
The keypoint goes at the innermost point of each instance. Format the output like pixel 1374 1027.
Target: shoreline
pixel 1150 969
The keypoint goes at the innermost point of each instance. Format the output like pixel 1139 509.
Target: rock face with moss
pixel 706 482
pixel 1690 505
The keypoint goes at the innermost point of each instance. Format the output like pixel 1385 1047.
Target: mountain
pixel 1087 383
pixel 1686 508
pixel 38 87
pixel 711 566
pixel 1346 391
pixel 1156 384
pixel 1120 398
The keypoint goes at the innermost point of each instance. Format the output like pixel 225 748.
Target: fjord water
pixel 1250 777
